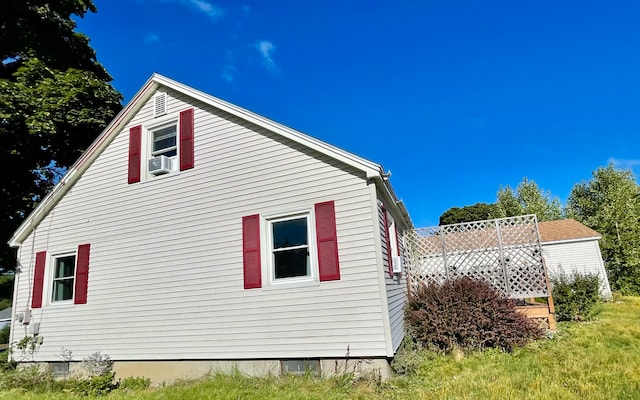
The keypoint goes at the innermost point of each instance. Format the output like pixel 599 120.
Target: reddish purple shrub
pixel 468 314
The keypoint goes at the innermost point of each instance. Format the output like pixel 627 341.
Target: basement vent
pixel 59 369
pixel 300 367
pixel 160 104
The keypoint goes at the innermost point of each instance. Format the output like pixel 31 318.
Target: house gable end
pixel 124 118
pixel 179 239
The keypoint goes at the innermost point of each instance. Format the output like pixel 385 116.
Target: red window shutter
pixel 135 153
pixel 251 252
pixel 38 279
pixel 327 239
pixel 82 274
pixel 186 139
pixel 387 237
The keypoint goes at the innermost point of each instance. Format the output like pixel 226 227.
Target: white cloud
pixel 624 164
pixel 211 10
pixel 202 6
pixel 266 50
pixel 228 73
pixel 151 37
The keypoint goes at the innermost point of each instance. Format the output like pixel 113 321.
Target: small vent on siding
pixel 160 104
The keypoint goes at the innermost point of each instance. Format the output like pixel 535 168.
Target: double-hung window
pixel 299 247
pixel 64 271
pixel 289 248
pixel 165 141
pixel 62 278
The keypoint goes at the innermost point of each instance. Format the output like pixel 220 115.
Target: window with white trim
pixel 64 272
pixel 299 247
pixel 290 241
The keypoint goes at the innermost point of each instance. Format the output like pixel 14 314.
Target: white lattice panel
pixel 505 252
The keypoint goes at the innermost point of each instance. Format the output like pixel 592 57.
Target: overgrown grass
pixel 594 360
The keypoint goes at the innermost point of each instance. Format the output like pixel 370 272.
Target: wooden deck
pixel 543 313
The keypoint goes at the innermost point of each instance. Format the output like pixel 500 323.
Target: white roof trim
pixel 562 241
pixel 371 169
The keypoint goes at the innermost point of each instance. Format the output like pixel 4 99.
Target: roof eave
pixel 385 186
pixel 562 241
pixel 81 165
pixel 371 169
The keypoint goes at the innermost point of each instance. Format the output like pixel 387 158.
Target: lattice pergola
pixel 505 252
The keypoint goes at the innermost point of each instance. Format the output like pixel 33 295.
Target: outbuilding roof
pixel 565 229
pixel 5 314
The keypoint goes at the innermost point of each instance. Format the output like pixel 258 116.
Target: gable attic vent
pixel 160 104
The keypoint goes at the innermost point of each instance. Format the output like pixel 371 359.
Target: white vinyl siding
pixel 576 256
pixel 396 287
pixel 166 276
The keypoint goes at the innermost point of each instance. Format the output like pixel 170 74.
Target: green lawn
pixel 593 360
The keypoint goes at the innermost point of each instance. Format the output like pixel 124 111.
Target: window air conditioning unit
pixel 397 264
pixel 159 165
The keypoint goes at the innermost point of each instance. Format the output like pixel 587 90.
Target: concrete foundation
pixel 166 372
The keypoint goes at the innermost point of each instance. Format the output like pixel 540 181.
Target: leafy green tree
pixel 507 203
pixel 6 291
pixel 610 204
pixel 528 198
pixel 55 98
pixel 475 212
pixel 5 331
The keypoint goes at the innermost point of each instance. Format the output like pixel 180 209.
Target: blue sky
pixel 456 98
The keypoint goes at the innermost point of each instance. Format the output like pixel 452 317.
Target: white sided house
pixel 195 236
pixel 570 247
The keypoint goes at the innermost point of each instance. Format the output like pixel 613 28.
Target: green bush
pixel 467 314
pixel 134 383
pixel 30 378
pixel 5 363
pixel 100 376
pixel 97 364
pixel 409 358
pixel 97 385
pixel 576 296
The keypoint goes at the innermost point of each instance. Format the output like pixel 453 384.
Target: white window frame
pixel 52 277
pixel 161 123
pixel 268 269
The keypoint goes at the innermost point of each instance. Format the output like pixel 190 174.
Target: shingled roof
pixel 565 229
